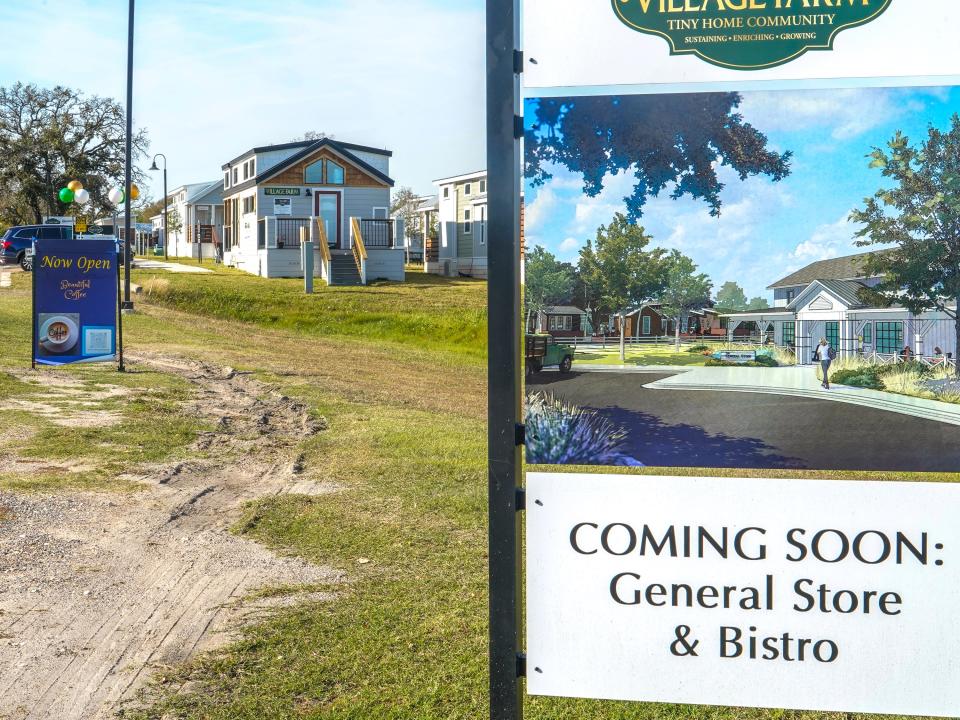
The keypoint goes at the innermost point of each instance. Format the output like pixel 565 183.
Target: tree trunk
pixel 677 335
pixel 623 344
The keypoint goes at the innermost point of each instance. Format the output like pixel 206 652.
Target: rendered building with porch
pixel 335 194
pixel 830 299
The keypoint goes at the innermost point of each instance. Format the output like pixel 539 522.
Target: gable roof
pixel 306 150
pixel 198 191
pixel 846 291
pixel 562 310
pixel 303 144
pixel 848 267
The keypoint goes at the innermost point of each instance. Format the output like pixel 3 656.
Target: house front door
pixel 327 208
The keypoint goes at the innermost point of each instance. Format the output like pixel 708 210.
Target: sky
pixel 214 78
pixel 766 229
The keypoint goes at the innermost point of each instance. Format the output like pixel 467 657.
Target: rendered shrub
pixel 559 433
pixel 865 377
pixel 698 348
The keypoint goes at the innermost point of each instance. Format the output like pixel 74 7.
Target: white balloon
pixel 81 196
pixel 115 196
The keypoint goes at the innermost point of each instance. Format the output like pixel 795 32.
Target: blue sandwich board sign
pixel 75 301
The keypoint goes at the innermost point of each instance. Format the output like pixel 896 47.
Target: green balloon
pixel 66 195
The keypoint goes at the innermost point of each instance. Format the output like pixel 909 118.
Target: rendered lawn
pixel 406 636
pixel 655 355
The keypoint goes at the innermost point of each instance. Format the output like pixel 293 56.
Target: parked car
pixel 542 351
pixel 15 242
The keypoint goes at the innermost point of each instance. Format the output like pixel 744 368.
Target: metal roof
pixel 846 291
pixel 562 310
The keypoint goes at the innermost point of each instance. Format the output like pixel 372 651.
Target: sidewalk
pixel 174 267
pixel 802 382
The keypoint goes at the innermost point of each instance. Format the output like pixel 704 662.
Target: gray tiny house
pixel 334 193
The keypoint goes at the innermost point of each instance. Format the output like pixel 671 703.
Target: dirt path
pixel 97 591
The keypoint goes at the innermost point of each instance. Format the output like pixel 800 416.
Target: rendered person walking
pixel 824 354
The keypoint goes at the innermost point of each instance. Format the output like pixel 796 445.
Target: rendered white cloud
pixel 842 113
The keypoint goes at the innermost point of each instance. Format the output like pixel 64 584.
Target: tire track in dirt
pixel 98 590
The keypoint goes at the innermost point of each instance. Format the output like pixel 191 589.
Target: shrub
pixel 915 367
pixel 559 433
pixel 699 348
pixel 858 377
pixel 761 361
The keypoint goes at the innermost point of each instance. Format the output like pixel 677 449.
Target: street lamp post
pixel 127 303
pixel 154 168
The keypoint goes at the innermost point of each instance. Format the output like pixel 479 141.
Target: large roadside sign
pixel 75 301
pixel 731 500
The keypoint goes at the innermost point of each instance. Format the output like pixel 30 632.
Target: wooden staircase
pixel 343 270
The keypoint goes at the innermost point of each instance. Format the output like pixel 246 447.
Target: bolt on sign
pixel 728 210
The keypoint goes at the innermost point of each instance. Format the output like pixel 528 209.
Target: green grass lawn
pixel 405 402
pixel 647 355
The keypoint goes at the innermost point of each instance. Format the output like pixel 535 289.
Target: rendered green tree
pixel 757 303
pixel 674 139
pixel 685 290
pixel 918 212
pixel 547 281
pixel 620 271
pixel 731 296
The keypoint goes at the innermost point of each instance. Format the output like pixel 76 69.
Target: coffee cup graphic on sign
pixel 58 333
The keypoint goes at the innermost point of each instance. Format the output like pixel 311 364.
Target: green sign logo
pixel 747 34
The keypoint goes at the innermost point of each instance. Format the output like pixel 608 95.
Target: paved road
pixel 698 428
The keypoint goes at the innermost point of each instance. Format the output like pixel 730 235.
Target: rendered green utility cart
pixel 544 351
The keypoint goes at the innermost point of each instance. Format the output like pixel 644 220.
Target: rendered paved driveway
pixel 701 428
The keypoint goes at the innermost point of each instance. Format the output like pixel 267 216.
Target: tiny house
pixel 332 193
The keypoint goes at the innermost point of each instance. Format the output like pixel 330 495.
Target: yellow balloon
pixel 75 185
pixel 134 192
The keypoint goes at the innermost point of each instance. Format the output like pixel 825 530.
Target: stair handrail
pixel 359 250
pixel 323 242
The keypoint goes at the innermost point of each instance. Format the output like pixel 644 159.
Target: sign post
pixel 504 430
pixel 75 300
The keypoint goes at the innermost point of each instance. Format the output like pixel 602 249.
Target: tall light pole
pixel 154 168
pixel 127 303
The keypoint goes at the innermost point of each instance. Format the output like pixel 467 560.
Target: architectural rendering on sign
pixel 748 274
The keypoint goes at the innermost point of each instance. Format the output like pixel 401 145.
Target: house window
pixel 226 180
pixel 236 175
pixel 313 173
pixel 253 166
pixel 889 337
pixel 832 331
pixel 246 171
pixel 867 334
pixel 446 192
pixel 334 173
pixel 467 224
pixel 561 322
pixel 790 334
pixel 483 186
pixel 249 204
pixel 791 294
pixel 646 325
pixel 467 188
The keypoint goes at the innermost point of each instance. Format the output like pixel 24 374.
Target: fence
pixel 377 233
pixel 288 231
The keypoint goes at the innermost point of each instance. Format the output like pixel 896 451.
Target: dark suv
pixel 15 242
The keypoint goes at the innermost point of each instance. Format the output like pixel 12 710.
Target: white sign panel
pixel 571 43
pixel 282 206
pixel 805 594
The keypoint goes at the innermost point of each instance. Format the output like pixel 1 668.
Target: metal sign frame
pixel 505 432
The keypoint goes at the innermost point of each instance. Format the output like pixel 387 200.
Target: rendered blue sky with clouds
pixel 766 229
pixel 214 78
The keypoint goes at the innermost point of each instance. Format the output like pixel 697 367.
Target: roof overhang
pixel 459 178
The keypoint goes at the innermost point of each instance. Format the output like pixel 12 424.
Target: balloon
pixel 115 196
pixel 134 192
pixel 81 196
pixel 75 185
pixel 66 195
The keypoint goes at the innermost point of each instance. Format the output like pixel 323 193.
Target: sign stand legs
pixel 504 430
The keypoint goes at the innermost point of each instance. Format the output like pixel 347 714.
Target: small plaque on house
pixel 287 191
